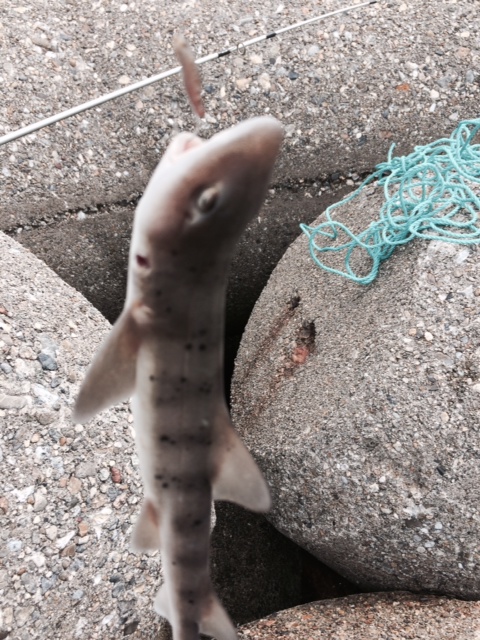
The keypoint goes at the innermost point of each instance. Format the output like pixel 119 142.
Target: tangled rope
pixel 427 195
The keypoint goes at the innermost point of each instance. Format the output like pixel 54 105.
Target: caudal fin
pixel 214 619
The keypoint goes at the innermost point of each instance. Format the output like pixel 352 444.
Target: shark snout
pixel 261 138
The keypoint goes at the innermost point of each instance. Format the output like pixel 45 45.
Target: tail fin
pixel 214 619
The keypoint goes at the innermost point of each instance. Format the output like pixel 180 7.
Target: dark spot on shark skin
pixel 188 346
pixel 197 522
pixel 168 309
pixel 142 261
pixel 202 347
pixel 202 332
pixel 151 378
pixel 205 387
pixel 199 439
pixel 158 476
pixel 191 601
pixel 158 292
pixel 165 485
pixel 183 380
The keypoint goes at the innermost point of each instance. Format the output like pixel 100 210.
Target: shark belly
pixel 174 430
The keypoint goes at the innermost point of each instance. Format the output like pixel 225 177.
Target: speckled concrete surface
pixel 393 616
pixel 69 493
pixel 362 406
pixel 344 88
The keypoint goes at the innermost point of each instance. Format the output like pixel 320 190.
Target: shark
pixel 166 352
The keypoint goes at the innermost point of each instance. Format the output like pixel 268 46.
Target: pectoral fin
pixel 111 376
pixel 238 478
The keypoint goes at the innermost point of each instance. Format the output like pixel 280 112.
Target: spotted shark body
pixel 166 350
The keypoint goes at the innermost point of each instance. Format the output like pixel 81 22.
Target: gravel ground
pixel 69 494
pixel 344 88
pixel 394 616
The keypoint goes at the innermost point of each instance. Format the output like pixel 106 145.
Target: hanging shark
pixel 166 350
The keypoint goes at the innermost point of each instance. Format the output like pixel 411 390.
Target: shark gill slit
pixel 142 261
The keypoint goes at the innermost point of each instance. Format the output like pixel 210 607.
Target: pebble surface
pixel 345 88
pixel 382 616
pixel 69 493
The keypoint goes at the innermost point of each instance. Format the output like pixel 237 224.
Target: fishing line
pixel 239 48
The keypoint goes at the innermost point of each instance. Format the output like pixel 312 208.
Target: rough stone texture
pixel 392 616
pixel 362 404
pixel 345 88
pixel 65 567
pixel 342 93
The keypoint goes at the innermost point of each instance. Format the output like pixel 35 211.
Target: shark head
pixel 203 193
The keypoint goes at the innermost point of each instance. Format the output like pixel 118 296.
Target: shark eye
pixel 208 199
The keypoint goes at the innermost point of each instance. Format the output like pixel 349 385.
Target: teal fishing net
pixel 429 194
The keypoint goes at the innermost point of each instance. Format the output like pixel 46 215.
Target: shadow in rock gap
pixel 91 253
pixel 257 571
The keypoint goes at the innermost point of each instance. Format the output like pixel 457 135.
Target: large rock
pixel 396 616
pixel 69 494
pixel 361 404
pixel 345 88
